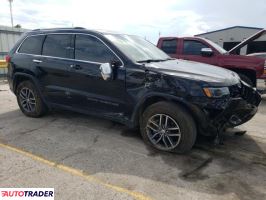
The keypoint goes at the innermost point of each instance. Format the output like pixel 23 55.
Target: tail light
pixel 8 59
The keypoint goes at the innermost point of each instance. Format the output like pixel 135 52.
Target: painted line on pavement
pixel 76 172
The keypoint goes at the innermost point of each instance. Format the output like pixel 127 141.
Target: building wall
pixel 233 35
pixel 8 37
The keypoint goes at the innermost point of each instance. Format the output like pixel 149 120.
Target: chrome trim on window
pixel 70 59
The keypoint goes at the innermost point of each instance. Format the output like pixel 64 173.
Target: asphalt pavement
pixel 84 157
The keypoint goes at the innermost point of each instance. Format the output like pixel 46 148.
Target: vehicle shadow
pixel 99 146
pixel 223 169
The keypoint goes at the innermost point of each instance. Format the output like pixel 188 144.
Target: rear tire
pixel 246 79
pixel 175 121
pixel 29 100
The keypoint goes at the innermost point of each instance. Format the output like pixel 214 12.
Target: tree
pixel 18 26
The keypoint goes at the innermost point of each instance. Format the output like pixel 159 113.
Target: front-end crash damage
pixel 212 114
pixel 230 111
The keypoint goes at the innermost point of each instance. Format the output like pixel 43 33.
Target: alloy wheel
pixel 163 132
pixel 27 99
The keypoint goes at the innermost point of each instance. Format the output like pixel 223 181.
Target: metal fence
pixel 3 68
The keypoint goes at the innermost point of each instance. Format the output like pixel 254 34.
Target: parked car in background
pixel 205 51
pixel 127 79
pixel 261 55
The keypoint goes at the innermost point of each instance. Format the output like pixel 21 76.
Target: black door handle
pixel 76 67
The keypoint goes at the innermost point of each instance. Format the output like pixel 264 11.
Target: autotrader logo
pixel 26 193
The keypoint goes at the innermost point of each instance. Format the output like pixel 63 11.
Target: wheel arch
pixel 20 77
pixel 154 98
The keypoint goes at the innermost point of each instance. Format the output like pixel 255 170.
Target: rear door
pixel 53 68
pixel 191 50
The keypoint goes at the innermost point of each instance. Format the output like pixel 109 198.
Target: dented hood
pixel 246 41
pixel 196 71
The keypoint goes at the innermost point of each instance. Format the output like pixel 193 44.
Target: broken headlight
pixel 216 92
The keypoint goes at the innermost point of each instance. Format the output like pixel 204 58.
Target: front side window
pixel 169 46
pixel 32 45
pixel 192 47
pixel 89 48
pixel 58 45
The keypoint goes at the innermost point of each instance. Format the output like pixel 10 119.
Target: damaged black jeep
pixel 129 80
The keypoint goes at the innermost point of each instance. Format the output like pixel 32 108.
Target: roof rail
pixel 38 29
pixel 78 27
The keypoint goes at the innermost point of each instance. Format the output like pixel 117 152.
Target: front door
pixel 89 90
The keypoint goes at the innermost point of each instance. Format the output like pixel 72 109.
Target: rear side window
pixel 169 46
pixel 32 45
pixel 192 47
pixel 58 45
pixel 89 48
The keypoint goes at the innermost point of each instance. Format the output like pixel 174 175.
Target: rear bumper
pixel 10 83
pixel 237 111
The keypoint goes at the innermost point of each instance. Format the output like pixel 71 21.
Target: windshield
pixel 216 46
pixel 137 48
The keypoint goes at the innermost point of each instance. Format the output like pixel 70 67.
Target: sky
pixel 146 18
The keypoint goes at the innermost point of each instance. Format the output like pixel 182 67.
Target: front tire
pixel 29 100
pixel 168 127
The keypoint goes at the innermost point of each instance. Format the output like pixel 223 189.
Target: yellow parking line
pixel 3 64
pixel 76 172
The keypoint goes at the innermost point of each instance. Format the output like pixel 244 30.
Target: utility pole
pixel 11 14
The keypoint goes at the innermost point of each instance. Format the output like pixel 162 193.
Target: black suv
pixel 127 79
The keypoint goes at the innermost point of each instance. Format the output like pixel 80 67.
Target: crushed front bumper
pixel 236 110
pixel 241 108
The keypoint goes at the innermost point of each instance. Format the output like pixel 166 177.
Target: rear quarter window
pixel 32 45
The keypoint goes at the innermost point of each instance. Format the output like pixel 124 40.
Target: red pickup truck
pixel 202 50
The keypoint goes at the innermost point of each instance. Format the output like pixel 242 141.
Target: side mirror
pixel 115 63
pixel 106 71
pixel 206 52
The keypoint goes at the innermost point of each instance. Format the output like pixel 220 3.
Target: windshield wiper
pixel 170 59
pixel 153 60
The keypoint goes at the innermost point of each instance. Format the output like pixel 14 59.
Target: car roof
pixel 186 37
pixel 70 30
